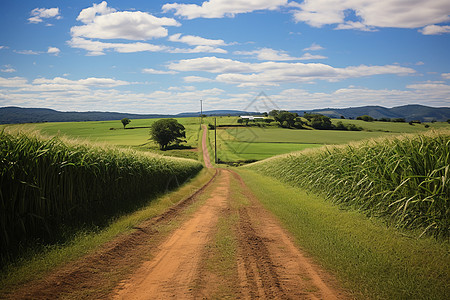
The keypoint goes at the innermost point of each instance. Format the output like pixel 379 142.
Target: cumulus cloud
pixel 272 73
pixel 313 47
pixel 98 48
pixel 103 23
pixel 88 15
pixel 357 96
pixel 197 79
pixel 129 25
pixel 434 29
pixel 158 72
pixel 277 55
pixel 38 14
pixel 221 8
pixel 100 94
pixel 8 69
pixel 195 40
pixel 198 49
pixel 174 100
pixel 15 82
pixel 368 15
pixel 45 85
pixel 446 76
pixel 53 50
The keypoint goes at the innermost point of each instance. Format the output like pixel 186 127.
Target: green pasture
pixel 395 127
pixel 257 143
pixel 136 135
pixel 233 143
pixel 299 136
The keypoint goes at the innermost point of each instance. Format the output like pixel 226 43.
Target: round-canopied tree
pixel 125 122
pixel 167 131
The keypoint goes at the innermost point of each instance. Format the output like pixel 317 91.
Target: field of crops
pixel 47 184
pixel 404 179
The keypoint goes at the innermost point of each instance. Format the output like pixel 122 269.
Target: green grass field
pixel 395 127
pixel 233 144
pixel 237 144
pixel 137 138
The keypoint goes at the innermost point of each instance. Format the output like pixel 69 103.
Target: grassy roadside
pixel 37 264
pixel 373 261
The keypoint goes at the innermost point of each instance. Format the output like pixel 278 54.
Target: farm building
pixel 251 118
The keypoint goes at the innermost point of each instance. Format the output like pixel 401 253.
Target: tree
pixel 125 122
pixel 365 118
pixel 167 131
pixel 321 122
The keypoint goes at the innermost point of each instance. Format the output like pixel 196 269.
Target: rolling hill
pixel 13 115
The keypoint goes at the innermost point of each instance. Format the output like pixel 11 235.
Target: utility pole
pixel 201 112
pixel 215 141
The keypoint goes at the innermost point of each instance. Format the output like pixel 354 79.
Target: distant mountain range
pixel 408 112
pixel 13 115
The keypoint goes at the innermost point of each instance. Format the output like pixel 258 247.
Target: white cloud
pixel 88 15
pixel 99 48
pixel 195 40
pixel 38 14
pixel 434 29
pixel 354 97
pixel 14 82
pixel 277 55
pixel 8 69
pixel 367 15
pixel 92 81
pixel 26 52
pixel 59 84
pixel 182 88
pixel 95 48
pixel 211 64
pixel 446 76
pixel 221 8
pixel 53 50
pixel 175 100
pixel 429 86
pixel 355 25
pixel 198 49
pixel 158 72
pixel 309 56
pixel 197 79
pixel 102 22
pixel 314 47
pixel 273 73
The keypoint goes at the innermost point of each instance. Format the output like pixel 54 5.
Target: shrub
pixel 365 118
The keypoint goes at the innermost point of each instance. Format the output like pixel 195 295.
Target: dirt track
pixel 269 266
pixel 263 262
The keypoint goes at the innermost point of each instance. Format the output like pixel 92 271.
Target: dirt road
pixel 266 263
pixel 228 246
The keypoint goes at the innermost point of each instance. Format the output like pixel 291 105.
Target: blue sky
pixel 166 56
